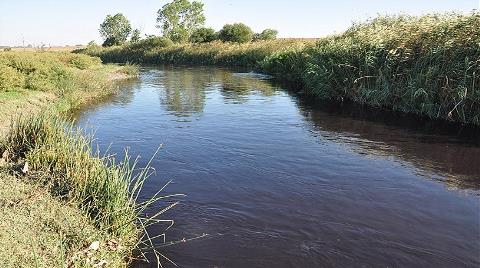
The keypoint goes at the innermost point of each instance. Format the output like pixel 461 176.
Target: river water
pixel 275 181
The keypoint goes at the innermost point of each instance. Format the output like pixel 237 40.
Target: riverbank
pixel 425 65
pixel 59 81
pixel 62 204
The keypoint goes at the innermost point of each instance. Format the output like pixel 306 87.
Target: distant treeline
pixel 427 65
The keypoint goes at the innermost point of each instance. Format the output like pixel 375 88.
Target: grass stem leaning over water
pixel 60 157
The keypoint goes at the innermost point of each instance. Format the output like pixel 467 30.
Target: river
pixel 277 181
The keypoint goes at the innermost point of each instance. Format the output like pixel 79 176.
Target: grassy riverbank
pixel 163 51
pixel 425 65
pixel 59 81
pixel 61 203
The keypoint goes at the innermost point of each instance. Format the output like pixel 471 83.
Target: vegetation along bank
pixel 426 65
pixel 62 204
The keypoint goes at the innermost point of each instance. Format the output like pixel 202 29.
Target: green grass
pixel 213 53
pixel 38 230
pixel 31 81
pixel 426 65
pixel 423 65
pixel 74 78
pixel 9 95
pixel 61 160
pixel 71 195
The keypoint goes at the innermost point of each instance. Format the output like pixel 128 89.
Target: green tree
pixel 180 18
pixel 115 29
pixel 267 34
pixel 237 32
pixel 203 35
pixel 135 36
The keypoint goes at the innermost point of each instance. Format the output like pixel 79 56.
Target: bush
pixel 237 32
pixel 10 78
pixel 203 35
pixel 111 41
pixel 82 63
pixel 150 43
pixel 267 34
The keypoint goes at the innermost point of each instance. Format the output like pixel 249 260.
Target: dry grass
pixel 32 81
pixel 22 102
pixel 44 153
pixel 38 230
pixel 67 196
pixel 47 48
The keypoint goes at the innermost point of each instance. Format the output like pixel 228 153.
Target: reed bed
pixel 425 65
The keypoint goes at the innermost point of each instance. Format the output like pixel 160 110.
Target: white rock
pixel 94 246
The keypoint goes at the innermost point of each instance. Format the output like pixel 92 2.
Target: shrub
pixel 82 63
pixel 150 43
pixel 111 41
pixel 135 36
pixel 267 34
pixel 50 78
pixel 203 35
pixel 237 32
pixel 10 78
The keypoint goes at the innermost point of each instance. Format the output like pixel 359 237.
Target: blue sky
pixel 68 22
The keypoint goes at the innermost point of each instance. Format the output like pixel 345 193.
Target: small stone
pixel 94 246
pixel 25 168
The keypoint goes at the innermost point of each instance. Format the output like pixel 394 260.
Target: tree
pixel 135 36
pixel 115 29
pixel 267 34
pixel 237 32
pixel 203 35
pixel 180 18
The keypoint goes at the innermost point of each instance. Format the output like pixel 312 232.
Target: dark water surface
pixel 277 182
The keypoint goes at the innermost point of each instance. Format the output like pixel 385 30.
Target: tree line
pixel 180 21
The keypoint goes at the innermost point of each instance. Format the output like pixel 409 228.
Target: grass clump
pixel 57 156
pixel 39 230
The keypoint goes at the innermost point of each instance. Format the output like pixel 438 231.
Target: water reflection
pixel 183 90
pixel 436 148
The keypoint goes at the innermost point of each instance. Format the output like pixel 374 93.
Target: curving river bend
pixel 278 182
